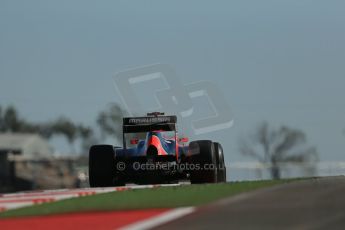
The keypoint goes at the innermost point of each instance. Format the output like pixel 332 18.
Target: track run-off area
pixel 314 203
pixel 126 220
pixel 24 199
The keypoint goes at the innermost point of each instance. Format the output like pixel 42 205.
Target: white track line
pixel 160 219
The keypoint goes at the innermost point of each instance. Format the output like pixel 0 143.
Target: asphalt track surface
pixel 309 204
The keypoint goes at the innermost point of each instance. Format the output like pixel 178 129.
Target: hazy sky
pixel 280 61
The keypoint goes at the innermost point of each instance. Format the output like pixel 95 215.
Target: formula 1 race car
pixel 153 153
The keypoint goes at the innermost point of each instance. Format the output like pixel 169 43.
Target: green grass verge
pixel 164 197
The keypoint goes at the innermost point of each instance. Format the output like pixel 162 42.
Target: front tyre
pixel 221 174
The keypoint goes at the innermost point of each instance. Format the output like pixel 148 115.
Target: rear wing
pixel 149 123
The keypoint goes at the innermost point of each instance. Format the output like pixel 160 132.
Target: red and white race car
pixel 153 153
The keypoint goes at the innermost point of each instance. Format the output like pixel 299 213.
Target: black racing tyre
pixel 101 165
pixel 203 160
pixel 221 174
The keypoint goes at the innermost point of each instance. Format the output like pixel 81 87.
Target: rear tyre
pixel 101 166
pixel 221 174
pixel 204 164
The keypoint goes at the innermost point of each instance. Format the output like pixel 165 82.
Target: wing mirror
pixel 134 141
pixel 184 139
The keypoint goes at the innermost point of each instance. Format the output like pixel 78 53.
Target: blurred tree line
pixel 108 123
pixel 279 147
pixel 269 146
